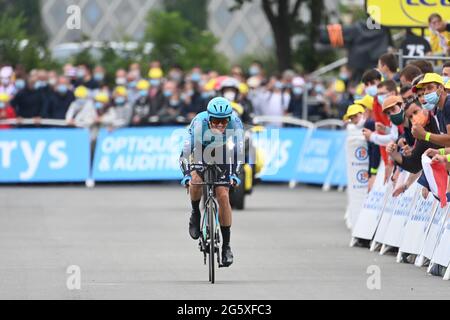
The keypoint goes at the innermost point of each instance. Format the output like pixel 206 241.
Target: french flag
pixel 437 178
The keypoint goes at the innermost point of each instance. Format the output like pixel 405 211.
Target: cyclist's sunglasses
pixel 217 121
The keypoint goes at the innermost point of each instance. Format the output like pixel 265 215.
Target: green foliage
pixel 193 11
pixel 177 41
pixel 31 12
pixel 18 47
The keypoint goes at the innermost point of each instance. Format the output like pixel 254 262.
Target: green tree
pixel 17 47
pixel 31 12
pixel 177 41
pixel 194 11
pixel 284 19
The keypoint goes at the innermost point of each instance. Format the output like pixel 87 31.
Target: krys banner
pixel 44 155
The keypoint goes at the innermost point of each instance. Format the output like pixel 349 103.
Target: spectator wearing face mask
pixel 121 77
pixel 84 78
pixel 437 102
pixel 156 93
pixel 172 106
pixel 99 76
pixel 29 103
pixel 6 84
pixel 355 116
pixel 81 111
pixel 296 102
pixel 192 99
pixel 276 100
pixel 418 117
pixel 392 107
pixel 121 107
pixel 142 109
pixel 60 99
pixel 229 89
pixel 6 111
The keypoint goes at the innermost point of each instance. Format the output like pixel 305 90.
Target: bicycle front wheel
pixel 211 222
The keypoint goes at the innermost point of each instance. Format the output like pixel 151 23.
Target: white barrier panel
pixel 394 233
pixel 419 222
pixel 435 232
pixel 357 174
pixel 441 254
pixel 389 208
pixel 370 214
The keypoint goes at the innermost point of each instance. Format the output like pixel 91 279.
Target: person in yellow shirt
pixel 440 36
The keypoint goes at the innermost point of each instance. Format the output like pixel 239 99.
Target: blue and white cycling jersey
pixel 201 137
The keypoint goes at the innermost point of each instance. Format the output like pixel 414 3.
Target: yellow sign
pixel 406 13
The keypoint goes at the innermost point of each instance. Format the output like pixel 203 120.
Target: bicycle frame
pixel 210 227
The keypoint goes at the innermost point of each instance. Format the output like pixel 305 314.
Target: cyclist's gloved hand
pixel 186 180
pixel 235 180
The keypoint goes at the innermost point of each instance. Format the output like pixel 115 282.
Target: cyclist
pixel 216 133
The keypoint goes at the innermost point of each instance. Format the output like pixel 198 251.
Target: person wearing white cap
pixel 6 85
pixel 296 104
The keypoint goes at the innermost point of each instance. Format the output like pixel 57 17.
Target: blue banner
pixel 44 155
pixel 303 155
pixel 280 149
pixel 139 154
pixel 322 158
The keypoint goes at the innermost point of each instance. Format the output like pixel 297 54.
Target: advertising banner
pixel 44 155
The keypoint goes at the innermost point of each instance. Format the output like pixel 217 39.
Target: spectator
pixel 296 102
pixel 84 78
pixel 355 115
pixel 176 74
pixel 52 79
pixel 371 79
pixel 446 72
pixel 192 100
pixel 29 102
pixel 424 66
pixel 437 101
pixel 121 77
pixel 121 108
pixel 6 111
pixel 172 107
pixel 81 111
pixel 426 121
pixel 142 108
pixel 409 73
pixel 388 66
pixel 440 37
pixel 248 115
pixel 99 76
pixel 6 84
pixel 60 99
pixel 276 100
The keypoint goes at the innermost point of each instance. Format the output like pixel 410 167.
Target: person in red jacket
pixel 386 89
pixel 6 111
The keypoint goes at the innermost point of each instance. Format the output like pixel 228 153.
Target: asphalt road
pixel 131 242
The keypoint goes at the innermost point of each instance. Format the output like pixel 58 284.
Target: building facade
pixel 241 32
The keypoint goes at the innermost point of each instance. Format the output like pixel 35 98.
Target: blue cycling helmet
pixel 219 108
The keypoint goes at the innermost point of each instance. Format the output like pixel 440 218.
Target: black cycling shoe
pixel 194 225
pixel 227 256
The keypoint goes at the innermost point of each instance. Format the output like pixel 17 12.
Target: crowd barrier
pixel 306 155
pixel 414 225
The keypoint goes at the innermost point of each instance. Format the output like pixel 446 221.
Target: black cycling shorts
pixel 223 176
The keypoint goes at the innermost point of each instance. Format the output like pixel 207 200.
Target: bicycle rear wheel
pixel 211 222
